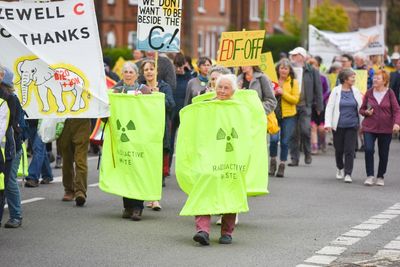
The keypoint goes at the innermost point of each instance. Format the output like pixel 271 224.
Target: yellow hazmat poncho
pixel 257 174
pixel 212 157
pixel 133 143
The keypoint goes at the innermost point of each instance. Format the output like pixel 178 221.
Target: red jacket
pixel 385 114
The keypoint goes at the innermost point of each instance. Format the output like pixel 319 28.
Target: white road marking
pixel 377 221
pixel 394 212
pixel 385 253
pixel 365 226
pixel 345 241
pixel 357 233
pixel 28 201
pixel 329 250
pixel 384 216
pixel 321 259
pixel 94 185
pixel 393 245
pixel 306 265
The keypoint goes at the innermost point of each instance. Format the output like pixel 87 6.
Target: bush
pixel 115 53
pixel 280 43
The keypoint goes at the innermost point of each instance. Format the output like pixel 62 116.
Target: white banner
pixel 54 51
pixel 158 25
pixel 370 41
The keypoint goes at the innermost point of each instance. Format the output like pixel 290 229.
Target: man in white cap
pixel 395 76
pixel 311 94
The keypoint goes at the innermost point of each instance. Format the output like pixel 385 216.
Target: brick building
pixel 203 21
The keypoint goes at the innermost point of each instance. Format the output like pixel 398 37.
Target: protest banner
pixel 131 163
pixel 268 66
pixel 325 44
pixel 242 48
pixel 361 80
pixel 158 25
pixel 43 43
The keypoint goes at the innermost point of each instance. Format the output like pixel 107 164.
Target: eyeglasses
pixel 130 72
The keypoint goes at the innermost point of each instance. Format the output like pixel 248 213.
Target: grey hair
pixel 219 69
pixel 131 65
pixel 360 55
pixel 229 77
pixel 345 74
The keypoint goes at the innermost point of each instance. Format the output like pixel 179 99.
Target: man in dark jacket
pixel 311 94
pixel 395 76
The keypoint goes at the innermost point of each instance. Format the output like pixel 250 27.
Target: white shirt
pixel 4 115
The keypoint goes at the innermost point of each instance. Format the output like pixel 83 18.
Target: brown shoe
pixel 68 197
pixel 281 170
pixel 272 167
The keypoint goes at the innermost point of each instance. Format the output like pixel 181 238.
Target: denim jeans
pixel 287 127
pixel 384 141
pixel 12 192
pixel 40 164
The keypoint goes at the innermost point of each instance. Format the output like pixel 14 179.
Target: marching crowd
pixel 307 113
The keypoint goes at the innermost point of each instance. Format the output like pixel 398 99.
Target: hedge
pixel 280 43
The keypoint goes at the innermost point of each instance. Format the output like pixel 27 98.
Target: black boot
pixel 281 170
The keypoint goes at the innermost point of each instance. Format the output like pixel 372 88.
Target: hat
pixel 395 56
pixel 299 51
pixel 8 77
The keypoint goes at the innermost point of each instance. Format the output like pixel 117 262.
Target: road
pixel 307 218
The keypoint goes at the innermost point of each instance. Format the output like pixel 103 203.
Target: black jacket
pixel 395 84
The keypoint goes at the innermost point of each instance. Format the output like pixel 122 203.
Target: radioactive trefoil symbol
pixel 130 126
pixel 222 135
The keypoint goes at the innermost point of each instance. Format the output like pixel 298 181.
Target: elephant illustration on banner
pixel 55 80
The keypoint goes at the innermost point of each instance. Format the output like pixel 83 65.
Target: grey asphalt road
pixel 304 213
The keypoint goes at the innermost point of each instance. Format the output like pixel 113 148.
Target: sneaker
pixel 294 163
pixel 156 206
pixel 31 183
pixel 225 239
pixel 272 167
pixel 219 221
pixel 370 181
pixel 339 174
pixel 202 238
pixel 380 182
pixel 308 159
pixel 13 223
pixel 58 162
pixel 46 180
pixel 281 170
pixel 347 179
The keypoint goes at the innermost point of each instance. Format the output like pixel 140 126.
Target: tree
pixel 329 17
pixel 393 23
pixel 292 24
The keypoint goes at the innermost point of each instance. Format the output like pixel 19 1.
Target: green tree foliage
pixel 280 43
pixel 115 53
pixel 329 17
pixel 393 23
pixel 292 24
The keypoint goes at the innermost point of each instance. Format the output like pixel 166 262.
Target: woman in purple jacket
pixel 382 118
